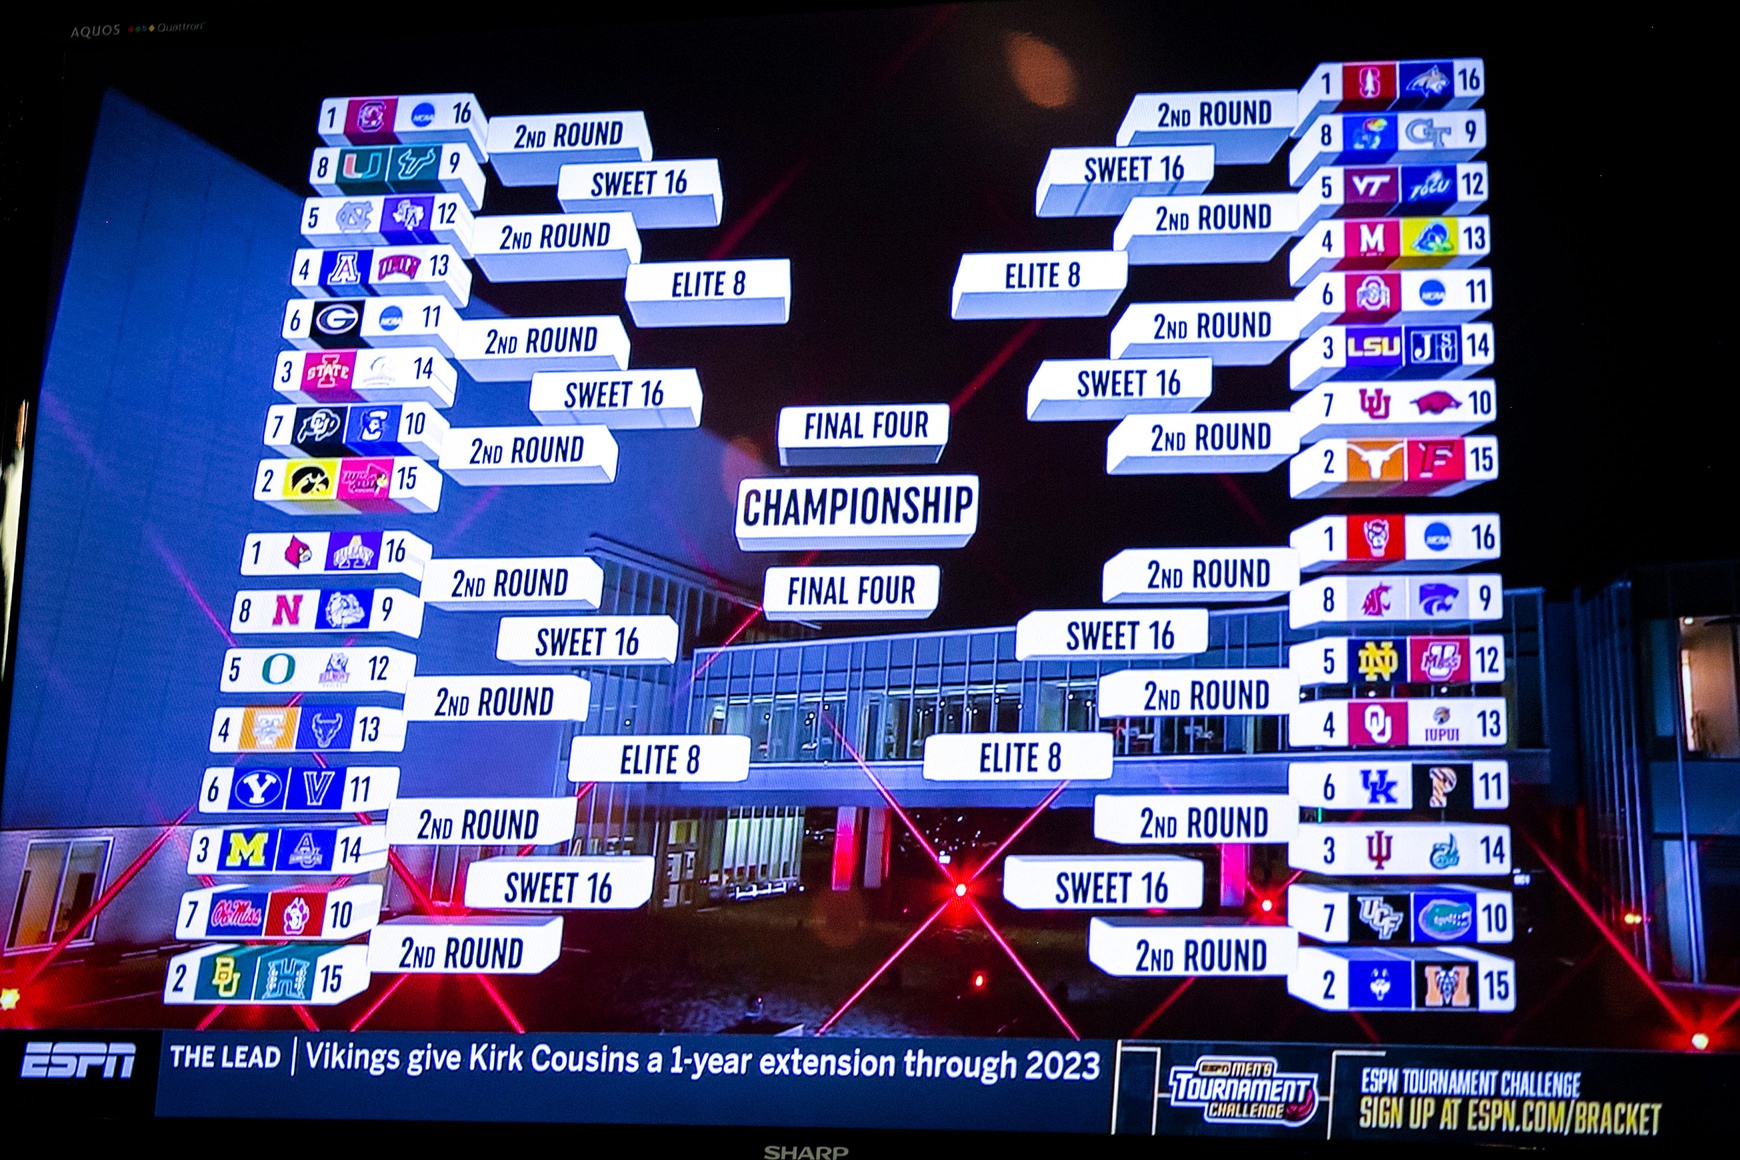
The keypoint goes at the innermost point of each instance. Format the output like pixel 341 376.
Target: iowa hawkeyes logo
pixel 310 479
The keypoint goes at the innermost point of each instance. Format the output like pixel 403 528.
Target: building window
pixel 1707 663
pixel 61 880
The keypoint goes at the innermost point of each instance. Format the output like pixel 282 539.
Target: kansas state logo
pixel 1438 599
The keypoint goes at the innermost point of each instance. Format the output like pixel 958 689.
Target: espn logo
pixel 75 1060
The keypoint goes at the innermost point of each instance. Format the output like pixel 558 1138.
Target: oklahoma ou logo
pixel 1378 722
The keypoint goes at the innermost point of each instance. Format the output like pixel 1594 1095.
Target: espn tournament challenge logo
pixel 1245 1089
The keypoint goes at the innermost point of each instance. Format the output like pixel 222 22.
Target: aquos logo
pixel 75 1060
pixel 1241 1089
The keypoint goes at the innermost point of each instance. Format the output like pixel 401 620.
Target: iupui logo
pixel 1245 1089
pixel 44 1060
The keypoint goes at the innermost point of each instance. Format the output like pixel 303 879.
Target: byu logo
pixel 262 787
pixel 1379 786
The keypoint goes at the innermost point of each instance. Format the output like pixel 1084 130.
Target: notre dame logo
pixel 1378 660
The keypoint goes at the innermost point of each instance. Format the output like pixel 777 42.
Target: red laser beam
pixel 380 1001
pixel 107 897
pixel 1161 1009
pixel 1637 968
pixel 500 1003
pixel 911 826
pixel 210 1017
pixel 886 963
pixel 307 1019
pixel 1003 355
pixel 1244 501
pixel 1552 993
pixel 1365 1026
pixel 1016 833
pixel 1022 967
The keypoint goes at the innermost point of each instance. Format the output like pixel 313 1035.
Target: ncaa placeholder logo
pixel 76 1060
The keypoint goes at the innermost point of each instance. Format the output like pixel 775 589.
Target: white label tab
pixel 1419 722
pixel 639 399
pixel 405 118
pixel 1417 138
pixel 1365 410
pixel 611 882
pixel 1018 756
pixel 1397 543
pixel 1216 228
pixel 472 945
pixel 1102 882
pixel 1245 128
pixel 317 670
pixel 532 150
pixel 307 729
pixel 852 592
pixel 498 698
pixel 863 433
pixel 1149 947
pixel 322 789
pixel 1396 599
pixel 751 292
pixel 555 247
pixel 409 374
pixel 334 553
pixel 354 610
pixel 1395 297
pixel 514 584
pixel 496 350
pixel 1393 466
pixel 342 273
pixel 1398 915
pixel 1403 979
pixel 1240 333
pixel 1100 181
pixel 1425 350
pixel 399 483
pixel 1180 575
pixel 413 219
pixel 648 759
pixel 1201 442
pixel 1340 849
pixel 1105 633
pixel 480 821
pixel 1183 819
pixel 1442 243
pixel 494 456
pixel 298 913
pixel 1047 284
pixel 1434 660
pixel 1197 692
pixel 660 194
pixel 355 429
pixel 1103 388
pixel 587 640
pixel 1383 784
pixel 287 850
pixel 891 511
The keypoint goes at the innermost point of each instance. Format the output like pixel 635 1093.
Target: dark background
pixel 884 143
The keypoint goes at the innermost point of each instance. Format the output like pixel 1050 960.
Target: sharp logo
pixel 43 1060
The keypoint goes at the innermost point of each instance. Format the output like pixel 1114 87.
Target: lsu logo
pixel 1374 346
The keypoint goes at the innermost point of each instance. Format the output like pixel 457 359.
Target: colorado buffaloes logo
pixel 1242 1089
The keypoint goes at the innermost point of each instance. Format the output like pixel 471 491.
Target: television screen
pixel 1096 568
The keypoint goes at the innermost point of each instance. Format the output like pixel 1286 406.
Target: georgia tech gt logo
pixel 1245 1089
pixel 69 1060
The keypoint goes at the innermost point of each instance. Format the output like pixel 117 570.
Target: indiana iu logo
pixel 1378 847
pixel 1375 402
